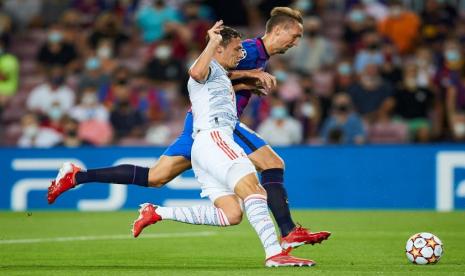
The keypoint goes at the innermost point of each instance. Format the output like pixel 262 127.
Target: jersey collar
pixel 263 53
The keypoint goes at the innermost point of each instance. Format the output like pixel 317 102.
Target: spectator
pixel 89 107
pixel 23 12
pixel 57 52
pixel 107 28
pixel 414 105
pixel 71 138
pixel 9 75
pixel 54 91
pixel 93 75
pixel 163 66
pixel 314 50
pixel 371 95
pixel 5 29
pixel 280 129
pixel 344 76
pixel 35 136
pixel 401 26
pixel 152 19
pixel 370 52
pixel 437 19
pixel 89 9
pixel 125 119
pixel 355 25
pixel 109 94
pixel 344 125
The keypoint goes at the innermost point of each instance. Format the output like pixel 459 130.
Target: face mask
pixel 55 113
pixel 279 112
pixel 31 131
pixel 104 52
pixel 459 129
pixel 356 16
pixel 163 52
pixel 452 55
pixel 344 69
pixel 281 76
pixel 72 133
pixel 304 5
pixel 342 108
pixel 311 33
pixel 89 99
pixel 55 37
pixel 92 63
pixel 57 81
pixel 307 110
pixel 373 46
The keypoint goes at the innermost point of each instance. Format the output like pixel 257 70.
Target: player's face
pixel 233 53
pixel 288 36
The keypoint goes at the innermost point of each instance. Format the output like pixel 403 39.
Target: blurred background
pixel 109 72
pixel 103 82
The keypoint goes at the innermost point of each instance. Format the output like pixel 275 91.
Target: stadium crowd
pixel 103 72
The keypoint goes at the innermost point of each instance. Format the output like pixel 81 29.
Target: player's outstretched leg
pixel 200 215
pixel 272 175
pixel 70 175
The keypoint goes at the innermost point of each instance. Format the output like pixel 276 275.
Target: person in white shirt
pixel 53 92
pixel 280 129
pixel 226 174
pixel 35 136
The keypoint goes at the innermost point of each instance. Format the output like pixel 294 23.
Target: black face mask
pixel 122 81
pixel 342 108
pixel 373 46
pixel 57 81
pixel 311 33
pixel 72 133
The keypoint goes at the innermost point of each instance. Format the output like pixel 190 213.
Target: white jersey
pixel 214 101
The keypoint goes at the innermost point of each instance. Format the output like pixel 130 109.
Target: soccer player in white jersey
pixel 226 175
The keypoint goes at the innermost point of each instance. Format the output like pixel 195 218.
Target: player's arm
pixel 263 79
pixel 201 68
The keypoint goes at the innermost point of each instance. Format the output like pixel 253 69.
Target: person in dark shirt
pixel 57 52
pixel 371 95
pixel 414 104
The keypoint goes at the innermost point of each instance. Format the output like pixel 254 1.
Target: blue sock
pixel 122 174
pixel 272 181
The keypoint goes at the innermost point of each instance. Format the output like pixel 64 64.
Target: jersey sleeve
pixel 250 55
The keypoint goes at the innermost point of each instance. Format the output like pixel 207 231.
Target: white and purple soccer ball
pixel 424 248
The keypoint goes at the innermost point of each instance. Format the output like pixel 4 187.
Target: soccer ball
pixel 424 248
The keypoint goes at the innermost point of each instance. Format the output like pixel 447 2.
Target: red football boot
pixel 284 259
pixel 147 216
pixel 300 236
pixel 65 180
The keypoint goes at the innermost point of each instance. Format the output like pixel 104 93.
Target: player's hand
pixel 264 79
pixel 214 33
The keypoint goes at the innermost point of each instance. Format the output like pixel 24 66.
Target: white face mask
pixel 104 52
pixel 307 110
pixel 459 130
pixel 89 99
pixel 163 52
pixel 31 130
pixel 55 113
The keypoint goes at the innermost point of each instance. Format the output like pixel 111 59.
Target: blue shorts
pixel 246 138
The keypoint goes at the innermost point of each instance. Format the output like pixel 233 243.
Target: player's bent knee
pixel 234 216
pixel 159 176
pixel 274 162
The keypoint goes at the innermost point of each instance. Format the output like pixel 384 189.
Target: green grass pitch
pixel 362 243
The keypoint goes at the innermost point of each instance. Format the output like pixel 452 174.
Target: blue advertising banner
pixel 381 177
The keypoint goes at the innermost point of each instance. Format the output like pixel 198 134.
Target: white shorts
pixel 214 153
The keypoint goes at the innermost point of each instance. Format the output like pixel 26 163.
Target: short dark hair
pixel 281 15
pixel 227 33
